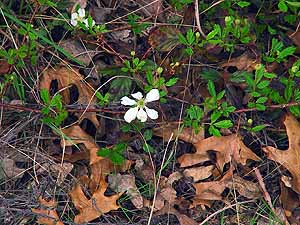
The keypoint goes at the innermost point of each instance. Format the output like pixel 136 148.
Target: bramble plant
pixel 278 53
pixel 217 110
pixel 258 87
pixel 236 31
pixel 136 27
pixel 115 154
pixel 133 66
pixel 53 111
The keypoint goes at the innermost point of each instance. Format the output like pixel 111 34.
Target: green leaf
pixel 282 6
pixel 189 51
pixel 255 94
pixel 220 95
pixel 148 134
pixel 45 96
pixel 190 36
pixel 212 34
pixel 260 107
pixel 294 4
pixel 295 110
pixel 211 88
pixel 116 158
pixel 223 124
pixel 182 39
pixel 261 100
pixel 149 77
pixel 104 152
pixel 263 84
pixel 243 4
pixel 120 147
pixel 214 131
pixel 257 128
pixel 148 148
pixel 215 115
pixel 172 81
pixel 286 52
pixel 270 75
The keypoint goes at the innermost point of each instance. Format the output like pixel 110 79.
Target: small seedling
pixel 278 53
pixel 53 111
pixel 115 154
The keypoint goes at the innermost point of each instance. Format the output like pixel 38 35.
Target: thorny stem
pixel 24 108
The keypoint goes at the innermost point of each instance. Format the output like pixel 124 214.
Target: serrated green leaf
pixel 257 128
pixel 263 84
pixel 214 131
pixel 172 81
pixel 287 52
pixel 223 124
pixel 211 88
pixel 282 6
pixel 215 116
pixel 261 100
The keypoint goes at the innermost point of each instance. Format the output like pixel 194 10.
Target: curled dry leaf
pixel 9 169
pixel 76 49
pixel 121 183
pixel 209 191
pixel 97 205
pixel 290 201
pixel 47 216
pixel 199 173
pixel 289 158
pixel 245 62
pixel 227 148
pixel 66 78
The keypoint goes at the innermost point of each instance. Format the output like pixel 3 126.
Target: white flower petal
pixel 86 23
pixel 74 23
pixel 74 16
pixel 127 101
pixel 131 114
pixel 93 23
pixel 152 95
pixel 137 95
pixel 142 115
pixel 81 12
pixel 153 114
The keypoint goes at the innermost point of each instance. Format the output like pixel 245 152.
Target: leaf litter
pixel 218 164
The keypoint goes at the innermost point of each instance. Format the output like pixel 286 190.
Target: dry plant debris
pixel 47 214
pixel 289 158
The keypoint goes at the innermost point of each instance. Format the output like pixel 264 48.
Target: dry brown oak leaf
pixel 289 158
pixel 67 78
pixel 100 166
pixel 90 209
pixel 47 216
pixel 209 191
pixel 227 148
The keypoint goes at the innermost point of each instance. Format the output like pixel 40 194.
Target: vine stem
pixel 27 109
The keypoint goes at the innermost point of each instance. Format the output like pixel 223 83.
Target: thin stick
pixel 198 19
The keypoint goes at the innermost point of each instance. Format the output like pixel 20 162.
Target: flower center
pixel 141 103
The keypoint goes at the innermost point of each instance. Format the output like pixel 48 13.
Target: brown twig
pixel 24 108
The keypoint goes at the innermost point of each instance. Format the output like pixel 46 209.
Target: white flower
pixel 86 21
pixel 140 111
pixel 77 17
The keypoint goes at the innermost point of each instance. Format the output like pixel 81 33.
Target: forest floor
pixel 149 112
